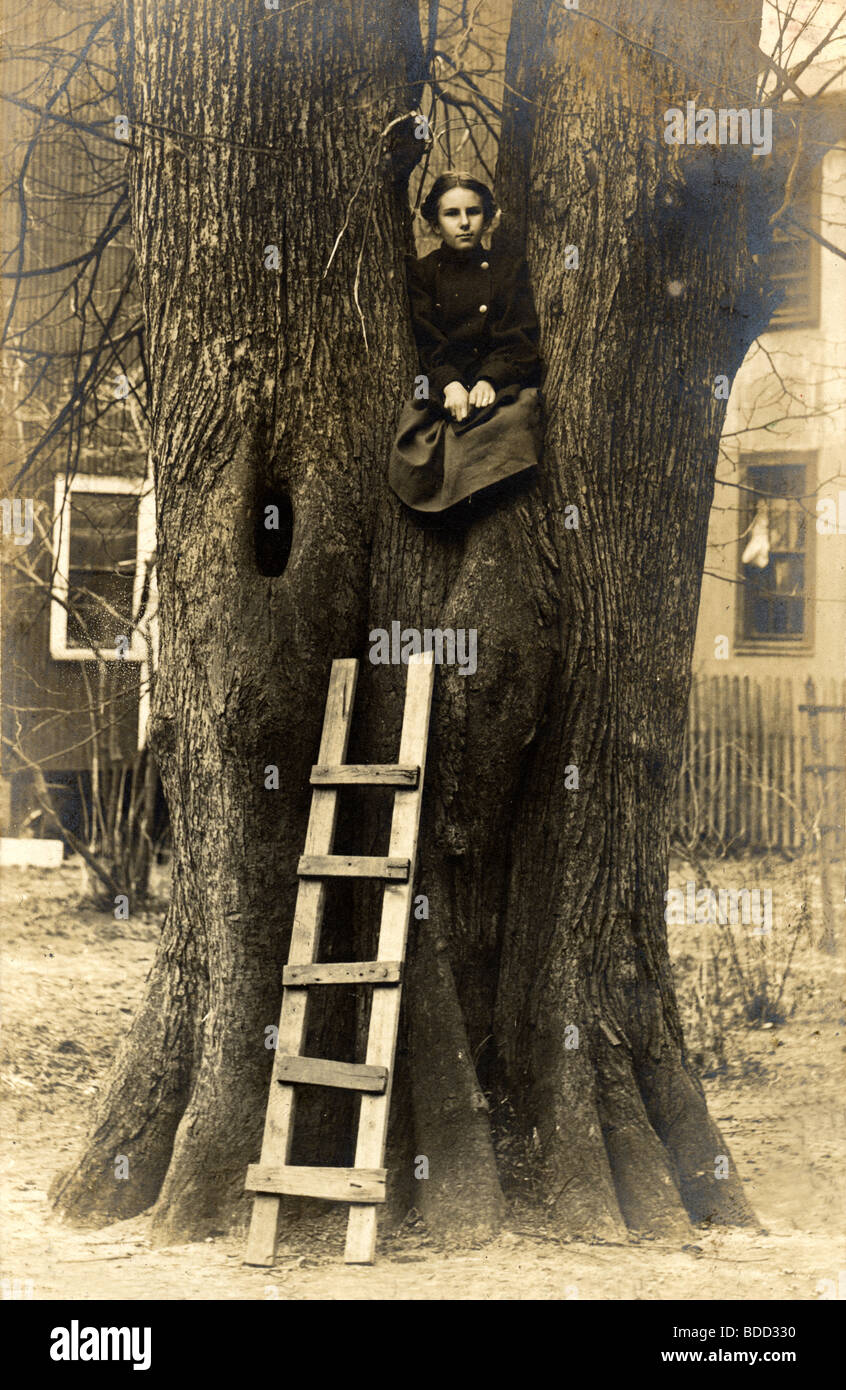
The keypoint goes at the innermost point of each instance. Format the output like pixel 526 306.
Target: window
pixel 776 554
pixel 793 264
pixel 102 543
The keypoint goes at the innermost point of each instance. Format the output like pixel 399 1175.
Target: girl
pixel 474 321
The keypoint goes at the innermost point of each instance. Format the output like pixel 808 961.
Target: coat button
pixel 485 265
pixel 483 308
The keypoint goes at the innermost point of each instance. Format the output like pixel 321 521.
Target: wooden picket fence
pixel 745 781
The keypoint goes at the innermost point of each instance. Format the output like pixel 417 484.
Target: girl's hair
pixel 445 183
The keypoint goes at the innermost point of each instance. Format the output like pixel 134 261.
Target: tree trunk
pixel 541 980
pixel 632 441
pixel 250 131
pixel 547 897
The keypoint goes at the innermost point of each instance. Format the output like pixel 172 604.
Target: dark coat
pixel 474 318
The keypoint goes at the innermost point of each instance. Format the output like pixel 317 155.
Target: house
pixel 78 587
pixel 773 597
pixel 79 648
pixel 773 606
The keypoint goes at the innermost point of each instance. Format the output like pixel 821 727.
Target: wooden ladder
pixel 363 1185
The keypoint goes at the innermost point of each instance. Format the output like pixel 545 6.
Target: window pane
pixel 103 531
pixel 795 616
pixel 778 479
pixel 786 574
pixel 101 576
pixel 760 617
pixel 780 528
pixel 773 604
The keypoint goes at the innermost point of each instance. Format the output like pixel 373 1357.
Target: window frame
pixel 63 489
pixel 803 645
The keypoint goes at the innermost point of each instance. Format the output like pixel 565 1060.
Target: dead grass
pixel 72 977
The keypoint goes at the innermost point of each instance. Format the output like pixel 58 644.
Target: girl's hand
pixel 456 400
pixel 482 394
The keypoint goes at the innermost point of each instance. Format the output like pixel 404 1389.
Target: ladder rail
pixel 393 934
pixel 305 939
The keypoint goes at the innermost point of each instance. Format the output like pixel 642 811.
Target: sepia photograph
pixel 423 771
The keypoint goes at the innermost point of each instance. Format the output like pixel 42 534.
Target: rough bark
pixel 663 238
pixel 546 901
pixel 250 129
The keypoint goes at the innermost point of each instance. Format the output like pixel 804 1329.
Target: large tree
pixel 539 988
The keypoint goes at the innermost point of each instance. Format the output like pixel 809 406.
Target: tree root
pixel 461 1200
pixel 643 1174
pixel 707 1177
pixel 130 1145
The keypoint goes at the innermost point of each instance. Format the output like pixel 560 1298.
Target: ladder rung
pixel 320 1071
pixel 334 1184
pixel 365 775
pixel 353 866
pixel 356 972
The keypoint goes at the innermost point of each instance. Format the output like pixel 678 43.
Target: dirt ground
pixel 772 1052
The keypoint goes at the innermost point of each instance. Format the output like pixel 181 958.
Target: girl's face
pixel 461 219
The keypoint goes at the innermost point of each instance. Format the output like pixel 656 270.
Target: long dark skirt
pixel 436 463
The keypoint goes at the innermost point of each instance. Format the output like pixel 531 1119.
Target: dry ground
pixel 71 977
